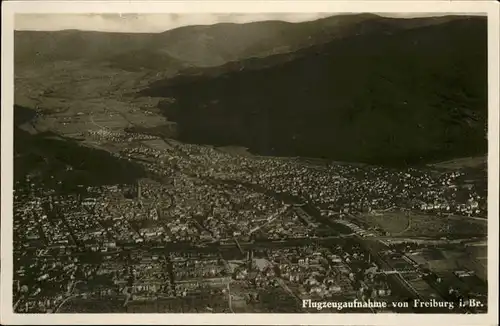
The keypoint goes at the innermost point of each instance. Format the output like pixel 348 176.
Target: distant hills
pixel 360 88
pixel 395 95
pixel 197 46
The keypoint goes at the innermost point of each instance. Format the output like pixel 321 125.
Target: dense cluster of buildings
pixel 125 241
pixel 336 186
pixel 104 134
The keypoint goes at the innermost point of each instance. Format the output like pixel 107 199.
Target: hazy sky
pixel 151 23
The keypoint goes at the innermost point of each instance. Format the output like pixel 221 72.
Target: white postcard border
pixel 10 8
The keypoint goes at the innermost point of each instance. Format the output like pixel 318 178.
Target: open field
pixel 438 260
pixel 74 97
pixel 465 162
pixel 446 261
pixel 428 225
pixel 420 225
pixel 477 260
pixel 391 222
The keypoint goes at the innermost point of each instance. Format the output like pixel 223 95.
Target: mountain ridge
pixel 186 75
pixel 428 83
pixel 196 45
pixel 353 84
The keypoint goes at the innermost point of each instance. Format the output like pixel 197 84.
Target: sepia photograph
pixel 227 163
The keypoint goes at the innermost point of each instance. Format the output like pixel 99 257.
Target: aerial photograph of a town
pixel 243 163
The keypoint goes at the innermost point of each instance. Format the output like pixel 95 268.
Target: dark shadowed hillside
pixel 63 160
pixel 213 45
pixel 394 96
pixel 57 159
